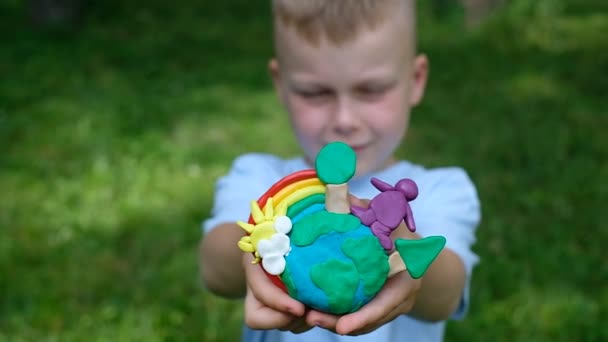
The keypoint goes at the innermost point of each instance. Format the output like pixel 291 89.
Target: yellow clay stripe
pixel 302 193
pixel 293 187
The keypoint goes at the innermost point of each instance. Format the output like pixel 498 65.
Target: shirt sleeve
pixel 249 177
pixel 450 207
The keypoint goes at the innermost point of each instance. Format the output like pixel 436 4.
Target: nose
pixel 346 119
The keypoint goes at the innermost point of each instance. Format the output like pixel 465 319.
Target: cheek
pixel 390 115
pixel 306 119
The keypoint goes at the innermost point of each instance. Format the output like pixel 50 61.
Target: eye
pixel 371 91
pixel 374 90
pixel 313 93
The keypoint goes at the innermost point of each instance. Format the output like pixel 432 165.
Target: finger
pixel 259 316
pixel 363 203
pixel 380 309
pixel 403 232
pixel 297 326
pixel 269 294
pixel 322 319
pixel 303 328
pixel 371 327
pixel 366 320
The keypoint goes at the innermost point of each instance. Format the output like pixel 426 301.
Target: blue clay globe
pixel 339 267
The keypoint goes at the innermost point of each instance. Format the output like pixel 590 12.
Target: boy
pixel 347 71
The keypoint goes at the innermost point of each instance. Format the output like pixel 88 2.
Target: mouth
pixel 357 148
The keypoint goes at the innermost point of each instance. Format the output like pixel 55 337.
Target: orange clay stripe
pixel 283 182
pixel 293 187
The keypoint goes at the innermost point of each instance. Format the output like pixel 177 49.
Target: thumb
pixel 356 201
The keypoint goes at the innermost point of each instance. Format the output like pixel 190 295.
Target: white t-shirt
pixel 447 205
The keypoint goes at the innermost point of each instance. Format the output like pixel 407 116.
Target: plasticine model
pixel 324 253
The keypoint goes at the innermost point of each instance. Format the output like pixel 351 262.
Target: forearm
pixel 442 285
pixel 221 261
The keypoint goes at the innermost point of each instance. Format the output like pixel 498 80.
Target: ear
pixel 419 78
pixel 275 75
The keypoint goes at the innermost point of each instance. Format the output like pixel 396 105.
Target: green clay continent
pixel 311 227
pixel 370 260
pixel 339 281
pixel 336 163
pixel 418 255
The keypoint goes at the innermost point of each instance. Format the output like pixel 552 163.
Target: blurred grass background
pixel 113 132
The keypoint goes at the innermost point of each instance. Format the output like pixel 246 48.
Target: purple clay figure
pixel 388 209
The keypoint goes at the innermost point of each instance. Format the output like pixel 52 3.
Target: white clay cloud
pixel 273 251
pixel 282 224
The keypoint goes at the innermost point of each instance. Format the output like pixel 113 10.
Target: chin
pixel 362 171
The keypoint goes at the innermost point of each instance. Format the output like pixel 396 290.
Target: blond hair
pixel 337 20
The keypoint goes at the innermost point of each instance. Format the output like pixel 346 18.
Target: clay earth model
pixel 329 256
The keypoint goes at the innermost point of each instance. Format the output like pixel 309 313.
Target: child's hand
pixel 397 297
pixel 267 306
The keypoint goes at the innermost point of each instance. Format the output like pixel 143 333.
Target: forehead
pixel 338 20
pixel 389 47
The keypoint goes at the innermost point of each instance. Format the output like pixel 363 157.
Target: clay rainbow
pixel 298 190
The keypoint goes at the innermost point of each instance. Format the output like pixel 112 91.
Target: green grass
pixel 111 137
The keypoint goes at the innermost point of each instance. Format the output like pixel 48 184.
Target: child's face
pixel 359 92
